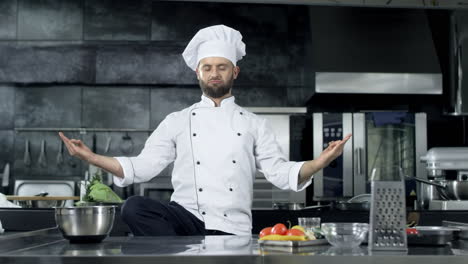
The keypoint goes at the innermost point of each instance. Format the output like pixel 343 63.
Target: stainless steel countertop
pixel 48 246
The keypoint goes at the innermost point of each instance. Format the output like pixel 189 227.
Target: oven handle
pixel 358 156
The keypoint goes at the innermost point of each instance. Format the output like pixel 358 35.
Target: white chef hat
pixel 214 41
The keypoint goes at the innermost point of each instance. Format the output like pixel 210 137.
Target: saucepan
pixel 448 190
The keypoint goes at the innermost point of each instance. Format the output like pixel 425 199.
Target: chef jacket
pixel 216 152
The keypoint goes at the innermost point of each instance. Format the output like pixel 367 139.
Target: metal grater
pixel 388 216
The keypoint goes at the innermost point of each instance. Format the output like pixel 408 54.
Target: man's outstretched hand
pixel 334 150
pixel 77 148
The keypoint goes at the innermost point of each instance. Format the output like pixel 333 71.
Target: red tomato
pixel 265 231
pixel 279 229
pixel 295 232
pixel 411 231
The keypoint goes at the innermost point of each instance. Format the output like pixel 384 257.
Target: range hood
pixel 378 83
pixel 373 51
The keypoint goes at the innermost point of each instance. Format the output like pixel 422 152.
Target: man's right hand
pixel 77 148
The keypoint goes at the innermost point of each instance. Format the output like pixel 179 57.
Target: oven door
pixel 336 180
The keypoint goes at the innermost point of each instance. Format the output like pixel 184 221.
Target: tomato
pixel 411 231
pixel 279 229
pixel 295 232
pixel 265 231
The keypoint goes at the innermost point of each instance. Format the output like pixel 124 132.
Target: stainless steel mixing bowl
pixel 87 224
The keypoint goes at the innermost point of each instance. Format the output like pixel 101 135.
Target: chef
pixel 216 146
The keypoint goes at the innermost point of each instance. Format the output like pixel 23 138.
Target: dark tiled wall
pixel 118 64
pixel 50 20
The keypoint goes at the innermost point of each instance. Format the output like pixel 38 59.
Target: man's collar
pixel 205 101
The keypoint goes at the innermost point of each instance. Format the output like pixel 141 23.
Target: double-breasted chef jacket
pixel 216 152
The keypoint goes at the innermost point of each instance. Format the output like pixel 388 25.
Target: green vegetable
pixel 97 191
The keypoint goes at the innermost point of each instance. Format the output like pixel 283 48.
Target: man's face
pixel 216 76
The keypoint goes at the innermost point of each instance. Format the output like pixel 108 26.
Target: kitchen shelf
pixel 82 130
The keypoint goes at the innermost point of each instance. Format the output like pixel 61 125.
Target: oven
pixel 380 139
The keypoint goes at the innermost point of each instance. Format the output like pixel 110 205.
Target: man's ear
pixel 198 74
pixel 236 72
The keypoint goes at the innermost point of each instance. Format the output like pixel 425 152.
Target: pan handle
pixel 441 185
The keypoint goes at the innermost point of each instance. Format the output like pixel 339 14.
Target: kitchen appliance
pixel 89 224
pixel 381 83
pixel 380 139
pixel 448 167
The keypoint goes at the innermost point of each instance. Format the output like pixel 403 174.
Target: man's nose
pixel 215 72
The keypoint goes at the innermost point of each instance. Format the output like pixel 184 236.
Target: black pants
pixel 147 217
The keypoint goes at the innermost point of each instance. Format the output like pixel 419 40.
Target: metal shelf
pixel 82 130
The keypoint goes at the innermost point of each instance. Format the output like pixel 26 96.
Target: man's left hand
pixel 334 149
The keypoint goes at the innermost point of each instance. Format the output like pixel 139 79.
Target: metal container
pixel 432 235
pixel 41 203
pixel 448 190
pixel 89 224
pixel 427 193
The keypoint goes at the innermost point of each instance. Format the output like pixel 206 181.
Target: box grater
pixel 388 216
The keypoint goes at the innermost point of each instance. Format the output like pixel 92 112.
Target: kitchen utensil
pixel 357 203
pixel 440 187
pixel 6 177
pixel 108 143
pixel 89 224
pixel 94 146
pixel 42 156
pixel 27 154
pixel 345 235
pixel 388 211
pixel 431 235
pixel 59 159
pixel 127 144
pixel 448 190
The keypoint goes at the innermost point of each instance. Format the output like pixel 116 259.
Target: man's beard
pixel 217 91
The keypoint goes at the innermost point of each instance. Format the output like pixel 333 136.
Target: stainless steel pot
pixel 448 190
pixel 87 224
